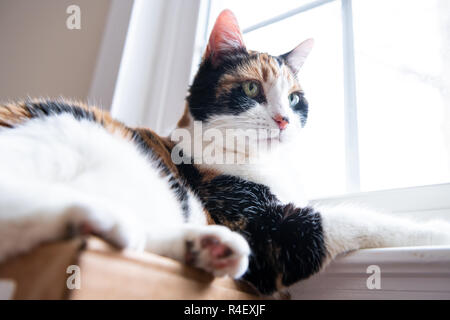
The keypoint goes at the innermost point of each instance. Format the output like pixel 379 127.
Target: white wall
pixel 39 56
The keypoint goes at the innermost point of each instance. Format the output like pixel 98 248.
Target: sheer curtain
pixel 156 63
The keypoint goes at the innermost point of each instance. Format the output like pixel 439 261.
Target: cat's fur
pixel 67 167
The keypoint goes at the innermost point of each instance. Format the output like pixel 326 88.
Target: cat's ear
pixel 225 37
pixel 297 57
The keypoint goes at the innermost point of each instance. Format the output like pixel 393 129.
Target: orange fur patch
pixel 161 147
pixel 15 113
pixel 262 69
pixel 12 114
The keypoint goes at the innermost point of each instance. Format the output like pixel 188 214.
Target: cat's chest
pixel 281 181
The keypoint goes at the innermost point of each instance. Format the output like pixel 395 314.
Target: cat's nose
pixel 281 121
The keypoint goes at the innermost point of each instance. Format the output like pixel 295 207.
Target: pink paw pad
pixel 217 251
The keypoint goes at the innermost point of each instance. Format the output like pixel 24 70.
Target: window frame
pixel 430 201
pixel 405 273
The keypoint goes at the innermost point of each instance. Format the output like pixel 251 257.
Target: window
pixel 377 81
pixel 402 72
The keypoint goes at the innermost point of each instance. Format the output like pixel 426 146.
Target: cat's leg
pixel 348 228
pixel 290 244
pixel 213 248
pixel 34 212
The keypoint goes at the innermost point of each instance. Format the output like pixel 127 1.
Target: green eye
pixel 251 88
pixel 294 99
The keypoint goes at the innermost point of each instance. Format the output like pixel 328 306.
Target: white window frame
pixel 404 273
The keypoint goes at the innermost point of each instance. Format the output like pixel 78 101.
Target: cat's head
pixel 240 89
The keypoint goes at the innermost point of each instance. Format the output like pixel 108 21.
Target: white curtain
pixel 156 63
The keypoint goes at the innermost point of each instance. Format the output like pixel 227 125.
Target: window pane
pixel 402 53
pixel 321 153
pixel 250 12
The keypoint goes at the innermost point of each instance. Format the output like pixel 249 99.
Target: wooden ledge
pixel 106 273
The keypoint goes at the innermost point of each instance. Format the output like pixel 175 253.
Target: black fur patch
pixel 49 108
pixel 301 108
pixel 286 242
pixel 279 60
pixel 202 99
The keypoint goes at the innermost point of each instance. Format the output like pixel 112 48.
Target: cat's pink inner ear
pixel 226 36
pixel 296 58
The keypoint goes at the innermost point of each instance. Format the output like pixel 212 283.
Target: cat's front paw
pixel 218 250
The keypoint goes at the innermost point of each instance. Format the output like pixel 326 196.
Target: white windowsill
pixel 406 273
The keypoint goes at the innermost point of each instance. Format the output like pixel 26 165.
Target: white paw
pixel 106 224
pixel 218 250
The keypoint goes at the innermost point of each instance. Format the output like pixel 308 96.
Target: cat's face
pixel 240 89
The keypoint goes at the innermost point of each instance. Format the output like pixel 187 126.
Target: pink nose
pixel 281 121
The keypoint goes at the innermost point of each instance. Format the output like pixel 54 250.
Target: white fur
pixel 348 228
pixel 57 172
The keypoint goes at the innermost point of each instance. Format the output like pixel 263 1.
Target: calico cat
pixel 68 167
pixel 237 89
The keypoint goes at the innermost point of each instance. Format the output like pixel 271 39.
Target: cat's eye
pixel 251 88
pixel 294 98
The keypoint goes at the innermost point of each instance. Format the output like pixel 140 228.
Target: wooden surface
pixel 41 274
pixel 110 274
